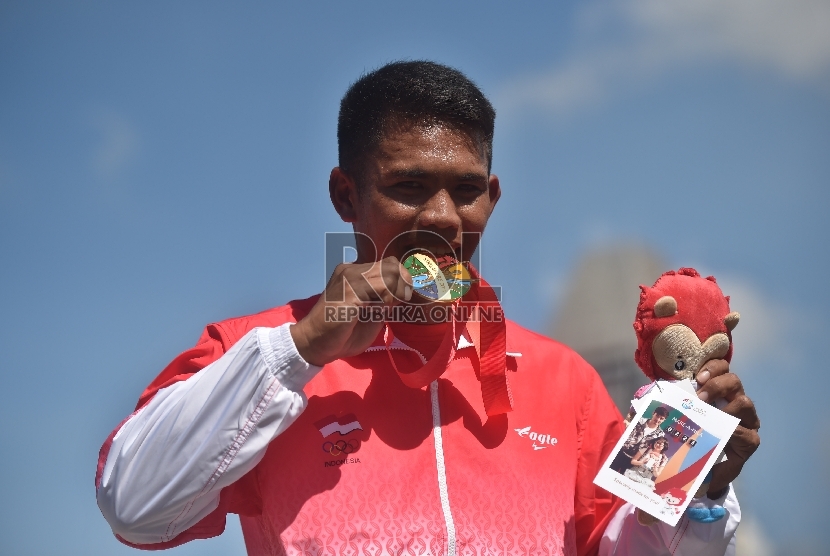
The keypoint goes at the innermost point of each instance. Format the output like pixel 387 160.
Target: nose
pixel 440 212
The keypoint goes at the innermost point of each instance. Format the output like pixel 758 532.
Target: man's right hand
pixel 324 335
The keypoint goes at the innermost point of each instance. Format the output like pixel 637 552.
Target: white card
pixel 659 465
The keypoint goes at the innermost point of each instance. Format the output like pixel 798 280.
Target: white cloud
pixel 764 334
pixel 118 145
pixel 623 43
pixel 753 539
pixel 549 288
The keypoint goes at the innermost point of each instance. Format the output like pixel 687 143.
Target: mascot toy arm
pixel 682 322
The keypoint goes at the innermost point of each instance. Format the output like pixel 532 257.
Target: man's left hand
pixel 716 382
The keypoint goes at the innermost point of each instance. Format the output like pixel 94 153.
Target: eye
pixel 680 365
pixel 467 192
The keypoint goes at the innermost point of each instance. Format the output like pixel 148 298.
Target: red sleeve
pixel 212 344
pixel 600 428
pixel 218 338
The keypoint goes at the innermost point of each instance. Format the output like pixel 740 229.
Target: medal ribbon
pixel 433 368
pixel 490 340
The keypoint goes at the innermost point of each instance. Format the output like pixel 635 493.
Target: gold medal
pixel 443 279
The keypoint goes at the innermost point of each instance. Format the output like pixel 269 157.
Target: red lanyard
pixel 489 337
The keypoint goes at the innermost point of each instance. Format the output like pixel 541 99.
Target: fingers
pixel 744 409
pixel 720 383
pixel 349 316
pixel 385 281
pixel 725 472
pixel 404 284
pixel 712 368
pixel 741 446
pixel 716 381
pixel 395 279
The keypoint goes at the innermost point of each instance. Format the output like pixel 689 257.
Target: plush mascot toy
pixel 682 322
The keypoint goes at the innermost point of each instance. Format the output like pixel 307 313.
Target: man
pixel 310 427
pixel 644 431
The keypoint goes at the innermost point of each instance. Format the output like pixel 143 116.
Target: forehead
pixel 433 147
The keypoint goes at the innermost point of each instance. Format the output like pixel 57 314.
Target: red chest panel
pixel 375 489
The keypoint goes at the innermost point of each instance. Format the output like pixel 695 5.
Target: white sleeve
pixel 624 536
pixel 168 462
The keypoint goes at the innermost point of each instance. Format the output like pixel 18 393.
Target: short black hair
pixel 661 411
pixel 409 93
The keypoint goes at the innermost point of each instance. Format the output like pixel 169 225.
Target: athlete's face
pixel 424 187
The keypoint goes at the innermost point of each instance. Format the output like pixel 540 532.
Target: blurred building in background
pixel 596 313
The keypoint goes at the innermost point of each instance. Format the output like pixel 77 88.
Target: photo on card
pixel 665 453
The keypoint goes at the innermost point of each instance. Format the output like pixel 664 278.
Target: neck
pixel 424 337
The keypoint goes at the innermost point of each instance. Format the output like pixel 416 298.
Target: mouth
pixel 436 249
pixel 432 243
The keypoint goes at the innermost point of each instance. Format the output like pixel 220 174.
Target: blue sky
pixel 164 166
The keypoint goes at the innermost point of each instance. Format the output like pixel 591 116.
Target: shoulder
pixel 521 338
pixel 217 338
pixel 229 331
pixel 550 366
pixel 540 351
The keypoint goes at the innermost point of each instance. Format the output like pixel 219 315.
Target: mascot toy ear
pixel 666 306
pixel 731 320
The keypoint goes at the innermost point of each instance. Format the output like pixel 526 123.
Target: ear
pixel 343 194
pixel 731 320
pixel 494 191
pixel 666 306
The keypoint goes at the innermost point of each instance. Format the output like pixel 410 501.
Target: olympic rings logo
pixel 341 447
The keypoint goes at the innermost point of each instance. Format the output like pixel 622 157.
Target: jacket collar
pixel 463 342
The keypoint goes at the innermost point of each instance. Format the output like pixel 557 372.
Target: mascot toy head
pixel 682 322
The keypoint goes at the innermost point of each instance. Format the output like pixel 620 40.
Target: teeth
pixel 436 251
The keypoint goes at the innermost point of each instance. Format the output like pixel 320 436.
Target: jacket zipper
pixel 443 491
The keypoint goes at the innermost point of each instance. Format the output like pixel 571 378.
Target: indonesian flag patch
pixel 344 425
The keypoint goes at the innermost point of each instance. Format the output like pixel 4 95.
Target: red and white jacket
pixel 346 459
